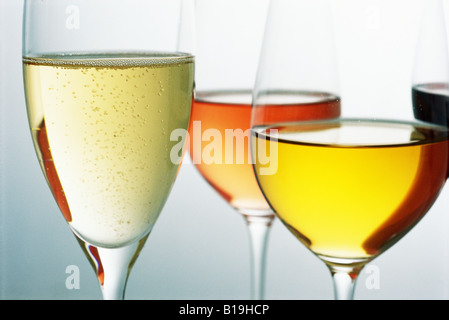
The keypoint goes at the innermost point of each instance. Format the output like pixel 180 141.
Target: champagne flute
pixel 351 187
pixel 106 85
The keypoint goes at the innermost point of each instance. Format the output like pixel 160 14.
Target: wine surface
pixel 226 116
pixel 349 189
pixel 101 126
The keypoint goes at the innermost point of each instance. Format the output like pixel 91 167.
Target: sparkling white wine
pixel 349 189
pixel 101 126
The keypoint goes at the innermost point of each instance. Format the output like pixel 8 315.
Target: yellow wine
pixel 101 126
pixel 349 189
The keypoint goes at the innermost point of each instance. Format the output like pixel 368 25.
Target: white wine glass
pixel 107 82
pixel 350 187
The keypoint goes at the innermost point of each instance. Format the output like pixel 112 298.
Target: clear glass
pixel 109 86
pixel 355 179
pixel 227 45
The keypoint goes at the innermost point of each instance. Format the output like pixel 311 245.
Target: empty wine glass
pixel 350 187
pixel 106 84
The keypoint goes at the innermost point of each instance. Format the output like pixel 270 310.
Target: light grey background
pixel 198 248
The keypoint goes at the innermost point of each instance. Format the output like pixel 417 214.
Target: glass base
pixel 344 263
pixel 255 213
pixel 344 274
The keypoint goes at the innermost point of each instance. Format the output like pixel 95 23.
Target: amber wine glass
pixel 106 83
pixel 347 188
pixel 227 43
pixel 229 36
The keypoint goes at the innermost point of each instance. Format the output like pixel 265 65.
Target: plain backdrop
pixel 199 247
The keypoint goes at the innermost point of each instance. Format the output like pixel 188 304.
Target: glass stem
pixel 258 227
pixel 112 266
pixel 344 279
pixel 115 264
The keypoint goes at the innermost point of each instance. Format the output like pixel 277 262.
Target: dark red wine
pixel 431 103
